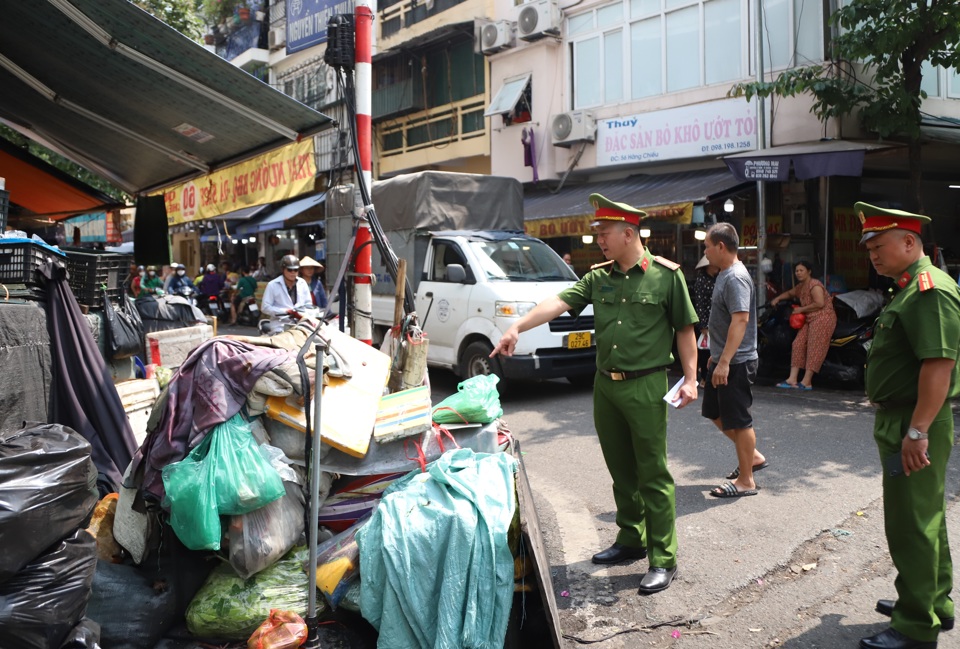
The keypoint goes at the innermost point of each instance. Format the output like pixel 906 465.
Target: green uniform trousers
pixel 914 514
pixel 631 421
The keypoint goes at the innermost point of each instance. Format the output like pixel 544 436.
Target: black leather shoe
pixel 657 579
pixel 617 553
pixel 893 639
pixel 885 607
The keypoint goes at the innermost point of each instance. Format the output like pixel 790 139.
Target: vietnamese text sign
pixel 576 226
pixel 711 129
pixel 307 21
pixel 274 176
pixel 748 234
pixel 850 260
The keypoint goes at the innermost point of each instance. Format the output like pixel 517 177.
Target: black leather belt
pixel 616 375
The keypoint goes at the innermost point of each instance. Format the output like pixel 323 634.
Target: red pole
pixel 363 266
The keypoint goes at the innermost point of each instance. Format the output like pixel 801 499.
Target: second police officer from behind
pixel 286 294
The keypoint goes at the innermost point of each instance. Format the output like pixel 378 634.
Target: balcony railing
pixel 249 36
pixel 454 122
pixel 398 99
pixel 278 14
pixel 398 14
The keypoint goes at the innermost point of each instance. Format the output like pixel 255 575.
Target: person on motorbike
pixel 211 284
pixel 246 287
pixel 287 293
pixel 152 283
pixel 177 280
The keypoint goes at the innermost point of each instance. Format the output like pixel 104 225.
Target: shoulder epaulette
pixel 672 265
pixel 924 281
pixel 601 264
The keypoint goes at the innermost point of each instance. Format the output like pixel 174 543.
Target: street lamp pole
pixel 761 145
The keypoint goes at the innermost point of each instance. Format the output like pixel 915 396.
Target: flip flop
pixel 756 467
pixel 801 386
pixel 788 386
pixel 729 490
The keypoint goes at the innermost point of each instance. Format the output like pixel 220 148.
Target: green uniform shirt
pixel 636 313
pixel 915 326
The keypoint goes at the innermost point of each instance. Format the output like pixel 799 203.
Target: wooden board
pixel 348 407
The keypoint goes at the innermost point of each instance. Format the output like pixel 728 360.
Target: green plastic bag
pixel 192 500
pixel 476 401
pixel 244 478
pixel 224 474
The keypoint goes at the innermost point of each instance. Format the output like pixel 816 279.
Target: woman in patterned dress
pixel 813 339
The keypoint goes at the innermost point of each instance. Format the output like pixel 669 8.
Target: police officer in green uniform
pixel 911 374
pixel 640 302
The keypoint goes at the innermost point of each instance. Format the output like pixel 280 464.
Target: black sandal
pixel 756 467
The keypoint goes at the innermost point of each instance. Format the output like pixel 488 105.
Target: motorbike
pixel 846 357
pixel 285 322
pixel 187 292
pixel 248 313
pixel 211 305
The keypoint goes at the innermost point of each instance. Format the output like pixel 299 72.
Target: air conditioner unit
pixel 569 128
pixel 538 19
pixel 277 38
pixel 496 36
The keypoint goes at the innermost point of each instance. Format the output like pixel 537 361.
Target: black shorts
pixel 731 403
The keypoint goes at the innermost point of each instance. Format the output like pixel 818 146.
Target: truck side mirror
pixel 456 273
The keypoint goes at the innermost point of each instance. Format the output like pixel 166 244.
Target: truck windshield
pixel 521 260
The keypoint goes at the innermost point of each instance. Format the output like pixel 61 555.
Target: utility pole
pixel 363 264
pixel 761 145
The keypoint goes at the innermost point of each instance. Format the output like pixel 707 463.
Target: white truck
pixel 473 273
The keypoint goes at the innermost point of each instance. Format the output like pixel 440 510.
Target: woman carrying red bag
pixel 815 321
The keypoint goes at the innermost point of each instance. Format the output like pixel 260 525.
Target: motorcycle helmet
pixel 151 270
pixel 290 262
pixel 211 268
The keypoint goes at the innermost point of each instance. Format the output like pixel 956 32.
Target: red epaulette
pixel 924 281
pixel 601 264
pixel 672 265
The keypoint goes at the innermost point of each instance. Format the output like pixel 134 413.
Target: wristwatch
pixel 915 434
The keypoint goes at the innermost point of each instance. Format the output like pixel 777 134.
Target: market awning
pixel 46 191
pixel 809 160
pixel 665 197
pixel 124 95
pixel 275 219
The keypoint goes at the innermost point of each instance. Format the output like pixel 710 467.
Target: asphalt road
pixel 800 565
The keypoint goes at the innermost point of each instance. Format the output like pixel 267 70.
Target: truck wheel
pixel 476 361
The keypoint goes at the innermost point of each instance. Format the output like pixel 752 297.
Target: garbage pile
pixel 206 541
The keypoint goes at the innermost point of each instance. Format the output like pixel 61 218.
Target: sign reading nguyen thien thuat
pixel 274 176
pixel 710 129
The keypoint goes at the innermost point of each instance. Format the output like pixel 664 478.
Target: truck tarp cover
pixel 432 200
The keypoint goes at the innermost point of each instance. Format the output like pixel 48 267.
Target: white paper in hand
pixel 673 395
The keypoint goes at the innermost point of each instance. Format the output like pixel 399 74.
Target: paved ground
pixel 799 565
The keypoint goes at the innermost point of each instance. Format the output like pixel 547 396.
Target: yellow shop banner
pixel 275 176
pixel 575 226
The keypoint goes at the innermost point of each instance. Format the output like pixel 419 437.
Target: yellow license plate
pixel 578 340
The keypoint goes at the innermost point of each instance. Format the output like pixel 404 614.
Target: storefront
pixel 678 204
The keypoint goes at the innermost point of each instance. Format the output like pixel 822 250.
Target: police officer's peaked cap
pixel 877 220
pixel 607 210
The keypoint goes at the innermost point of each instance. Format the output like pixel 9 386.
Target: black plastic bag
pixel 48 488
pixel 136 605
pixel 123 327
pixel 41 604
pixel 86 635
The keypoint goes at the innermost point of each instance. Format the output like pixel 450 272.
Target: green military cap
pixel 877 220
pixel 607 210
